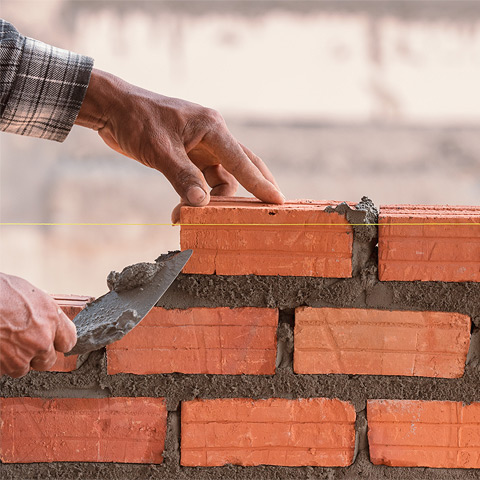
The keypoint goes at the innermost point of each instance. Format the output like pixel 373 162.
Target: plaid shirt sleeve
pixel 41 87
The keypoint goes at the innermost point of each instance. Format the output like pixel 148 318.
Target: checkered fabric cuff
pixel 47 90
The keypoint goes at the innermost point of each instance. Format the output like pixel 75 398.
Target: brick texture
pixel 412 433
pixel 378 342
pixel 125 430
pixel 449 252
pixel 242 431
pixel 276 241
pixel 199 340
pixel 71 306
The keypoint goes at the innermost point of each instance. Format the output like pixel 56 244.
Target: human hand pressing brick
pixel 190 144
pixel 32 328
pixel 46 90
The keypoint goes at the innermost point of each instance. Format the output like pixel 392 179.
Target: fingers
pixel 221 182
pixel 66 334
pixel 186 178
pixel 44 361
pixel 11 365
pixel 230 154
pixel 258 162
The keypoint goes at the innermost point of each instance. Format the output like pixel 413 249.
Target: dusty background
pixel 340 98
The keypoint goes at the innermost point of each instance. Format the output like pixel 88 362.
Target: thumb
pixel 66 333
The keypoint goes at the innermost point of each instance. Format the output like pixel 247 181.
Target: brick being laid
pixel 275 431
pixel 380 342
pixel 415 433
pixel 445 247
pixel 242 236
pixel 222 340
pixel 123 430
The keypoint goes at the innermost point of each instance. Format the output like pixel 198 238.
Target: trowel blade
pixel 113 315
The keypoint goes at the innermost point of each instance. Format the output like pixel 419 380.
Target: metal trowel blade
pixel 113 315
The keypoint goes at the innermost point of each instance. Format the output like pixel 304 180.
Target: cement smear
pixel 364 236
pixel 133 276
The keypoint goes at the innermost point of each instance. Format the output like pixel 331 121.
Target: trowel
pixel 111 316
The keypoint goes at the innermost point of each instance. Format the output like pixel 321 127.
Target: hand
pixel 32 327
pixel 188 143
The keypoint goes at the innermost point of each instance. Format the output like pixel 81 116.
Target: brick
pixel 414 433
pixel 276 431
pixel 71 306
pixel 124 430
pixel 449 252
pixel 199 340
pixel 241 236
pixel 379 342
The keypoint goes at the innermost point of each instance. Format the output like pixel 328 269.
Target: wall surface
pixel 268 375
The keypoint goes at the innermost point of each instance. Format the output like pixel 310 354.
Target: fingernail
pixel 196 196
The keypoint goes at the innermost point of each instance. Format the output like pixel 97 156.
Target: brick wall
pixel 288 348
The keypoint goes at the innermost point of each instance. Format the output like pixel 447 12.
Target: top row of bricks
pixel 239 236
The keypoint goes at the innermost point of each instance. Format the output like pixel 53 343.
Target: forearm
pixel 41 87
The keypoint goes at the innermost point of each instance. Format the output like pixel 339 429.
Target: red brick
pixel 199 340
pixel 71 306
pixel 238 236
pixel 379 342
pixel 449 252
pixel 277 431
pixel 124 430
pixel 411 433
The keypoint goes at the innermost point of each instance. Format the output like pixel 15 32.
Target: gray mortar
pixel 133 293
pixel 286 293
pixel 133 276
pixel 362 291
pixel 364 236
pixel 361 439
pixel 96 333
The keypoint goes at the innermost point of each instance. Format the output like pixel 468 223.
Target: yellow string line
pixel 45 224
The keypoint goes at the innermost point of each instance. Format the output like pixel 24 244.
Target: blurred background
pixel 340 98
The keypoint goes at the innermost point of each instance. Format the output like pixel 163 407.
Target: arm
pixel 43 92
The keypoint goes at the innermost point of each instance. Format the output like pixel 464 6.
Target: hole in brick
pixel 272 213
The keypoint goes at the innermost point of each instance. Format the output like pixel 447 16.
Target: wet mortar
pixel 133 276
pixel 285 293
